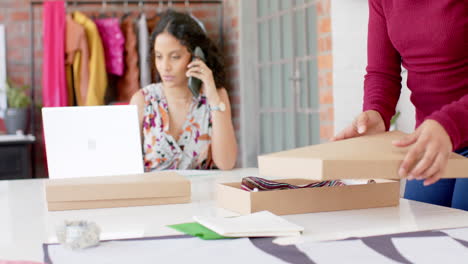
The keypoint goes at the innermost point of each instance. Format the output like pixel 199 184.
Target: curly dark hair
pixel 184 28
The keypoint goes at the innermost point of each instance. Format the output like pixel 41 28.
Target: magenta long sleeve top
pixel 430 39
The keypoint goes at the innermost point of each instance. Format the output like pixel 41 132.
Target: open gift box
pixel 366 157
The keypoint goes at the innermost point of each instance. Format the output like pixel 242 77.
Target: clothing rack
pixel 104 4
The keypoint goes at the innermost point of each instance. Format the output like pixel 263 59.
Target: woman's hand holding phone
pixel 198 69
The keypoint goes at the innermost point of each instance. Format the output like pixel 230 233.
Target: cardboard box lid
pixel 146 185
pixel 366 157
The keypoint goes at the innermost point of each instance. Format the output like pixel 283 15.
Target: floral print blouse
pixel 160 150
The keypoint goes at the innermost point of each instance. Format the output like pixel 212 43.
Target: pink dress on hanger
pixel 54 89
pixel 113 41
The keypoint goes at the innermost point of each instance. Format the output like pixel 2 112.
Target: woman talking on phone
pixel 185 127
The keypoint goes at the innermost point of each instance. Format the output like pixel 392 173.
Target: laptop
pixel 86 141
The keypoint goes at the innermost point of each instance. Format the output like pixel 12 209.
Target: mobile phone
pixel 194 84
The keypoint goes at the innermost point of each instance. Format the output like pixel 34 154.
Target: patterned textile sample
pixel 253 184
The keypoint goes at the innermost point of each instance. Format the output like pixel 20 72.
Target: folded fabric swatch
pixel 253 184
pixel 197 230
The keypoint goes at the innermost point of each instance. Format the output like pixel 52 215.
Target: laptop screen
pixel 85 141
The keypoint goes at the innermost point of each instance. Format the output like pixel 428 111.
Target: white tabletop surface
pixel 25 222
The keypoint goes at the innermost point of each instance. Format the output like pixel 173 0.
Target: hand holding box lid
pixel 366 157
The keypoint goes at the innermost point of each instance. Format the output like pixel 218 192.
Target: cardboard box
pixel 153 188
pixel 308 200
pixel 366 157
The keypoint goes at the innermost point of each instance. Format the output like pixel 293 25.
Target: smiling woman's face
pixel 171 59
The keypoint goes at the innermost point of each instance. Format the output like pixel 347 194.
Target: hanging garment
pixel 113 41
pixel 76 62
pixel 151 23
pixel 143 51
pixel 3 79
pixel 54 90
pixel 129 83
pixel 97 84
pixel 192 150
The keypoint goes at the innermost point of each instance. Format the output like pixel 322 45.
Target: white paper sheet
pixel 3 98
pixel 431 250
pixel 257 224
pixel 350 251
pixel 182 250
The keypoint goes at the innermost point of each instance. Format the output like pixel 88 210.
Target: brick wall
pixel 231 51
pixel 14 14
pixel 325 67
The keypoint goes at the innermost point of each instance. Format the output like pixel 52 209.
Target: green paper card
pixel 195 229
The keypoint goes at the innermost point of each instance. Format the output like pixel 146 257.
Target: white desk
pixel 25 222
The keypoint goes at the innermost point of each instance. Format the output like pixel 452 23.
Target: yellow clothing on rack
pixel 97 66
pixel 76 62
pixel 70 85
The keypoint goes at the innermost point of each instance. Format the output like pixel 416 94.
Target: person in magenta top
pixel 430 40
